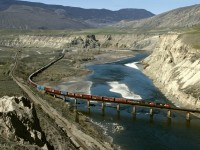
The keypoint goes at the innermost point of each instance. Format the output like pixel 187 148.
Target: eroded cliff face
pixel 116 41
pixel 19 123
pixel 175 68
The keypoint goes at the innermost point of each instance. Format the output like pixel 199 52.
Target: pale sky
pixel 154 6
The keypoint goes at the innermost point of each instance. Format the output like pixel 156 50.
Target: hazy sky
pixel 155 6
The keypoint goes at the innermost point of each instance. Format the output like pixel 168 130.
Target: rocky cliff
pixel 19 124
pixel 117 41
pixel 175 68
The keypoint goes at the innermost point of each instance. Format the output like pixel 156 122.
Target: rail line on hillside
pixel 62 122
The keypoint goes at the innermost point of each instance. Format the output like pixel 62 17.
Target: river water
pixel 124 79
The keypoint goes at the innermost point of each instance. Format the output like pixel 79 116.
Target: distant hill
pixel 29 15
pixel 181 17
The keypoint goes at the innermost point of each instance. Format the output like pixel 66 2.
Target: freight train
pixel 95 97
pixel 86 96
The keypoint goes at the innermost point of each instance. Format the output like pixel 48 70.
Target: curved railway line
pixel 105 99
pixel 63 122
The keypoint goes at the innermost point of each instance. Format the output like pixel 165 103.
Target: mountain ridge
pixel 61 17
pixel 180 17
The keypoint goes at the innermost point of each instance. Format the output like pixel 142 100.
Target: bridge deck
pixel 142 105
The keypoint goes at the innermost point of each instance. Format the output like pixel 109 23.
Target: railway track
pixel 60 121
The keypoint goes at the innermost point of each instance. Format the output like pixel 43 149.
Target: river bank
pixel 77 82
pixel 80 85
pixel 126 126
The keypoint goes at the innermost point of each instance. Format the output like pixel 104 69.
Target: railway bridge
pixel 122 101
pixel 103 99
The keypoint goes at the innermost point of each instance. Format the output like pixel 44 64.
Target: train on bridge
pixel 94 97
pixel 86 96
pixel 106 99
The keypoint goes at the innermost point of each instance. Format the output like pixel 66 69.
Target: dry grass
pixel 72 65
pixel 191 36
pixel 30 60
pixel 7 85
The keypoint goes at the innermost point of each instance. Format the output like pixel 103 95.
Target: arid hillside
pixel 29 15
pixel 177 18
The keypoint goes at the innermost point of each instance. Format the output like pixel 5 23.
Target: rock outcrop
pixel 175 68
pixel 116 41
pixel 19 123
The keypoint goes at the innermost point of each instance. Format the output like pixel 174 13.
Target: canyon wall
pixel 20 125
pixel 175 68
pixel 115 41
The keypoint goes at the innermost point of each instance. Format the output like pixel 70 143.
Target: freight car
pixel 99 98
pixel 110 99
pixel 40 87
pixel 85 96
pixel 121 100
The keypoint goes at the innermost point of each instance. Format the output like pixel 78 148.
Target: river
pixel 125 79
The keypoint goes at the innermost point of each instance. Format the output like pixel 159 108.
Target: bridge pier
pixel 75 104
pixel 75 101
pixel 188 116
pixel 134 110
pixel 169 114
pixel 102 106
pixel 88 104
pixel 118 107
pixel 151 112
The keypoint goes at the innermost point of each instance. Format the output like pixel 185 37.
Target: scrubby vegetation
pixel 7 85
